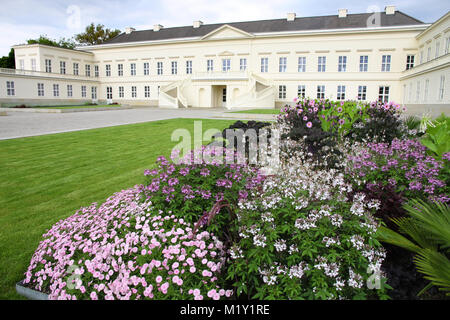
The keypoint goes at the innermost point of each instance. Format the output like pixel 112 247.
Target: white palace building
pixel 258 64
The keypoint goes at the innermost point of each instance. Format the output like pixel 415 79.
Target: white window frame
pixel 56 90
pixel 83 91
pixel 386 63
pixel 109 94
pixel 108 70
pixel 321 64
pixel 447 45
pixel 48 65
pixel 282 91
pixel 264 64
pixel 418 91
pixel 62 67
pixel 428 54
pixel 41 91
pixel 94 93
pixel 133 91
pixel 76 69
pixel 33 64
pixel 188 66
pixel 226 65
pixel 282 65
pixel 437 49
pixel 320 91
pixel 132 69
pixel 10 90
pixel 69 91
pixel 120 70
pixel 87 70
pixel 425 94
pixel 340 92
pixel 441 88
pixel 147 91
pixel 121 92
pixel 160 68
pixel 174 65
pixel 210 65
pixel 363 63
pixel 96 71
pixel 342 64
pixel 242 64
pixel 301 64
pixel 362 93
pixel 22 64
pixel 410 61
pixel 301 91
pixel 146 68
pixel 383 93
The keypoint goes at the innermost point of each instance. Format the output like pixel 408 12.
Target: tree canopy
pixel 62 42
pixel 8 61
pixel 96 34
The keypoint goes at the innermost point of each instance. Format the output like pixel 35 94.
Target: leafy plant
pixel 427 228
pixel 437 136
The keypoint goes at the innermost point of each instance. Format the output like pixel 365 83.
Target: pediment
pixel 227 32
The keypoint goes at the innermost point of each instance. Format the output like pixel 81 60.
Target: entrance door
pixel 224 97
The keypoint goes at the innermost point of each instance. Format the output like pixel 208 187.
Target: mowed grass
pixel 47 178
pixel 259 111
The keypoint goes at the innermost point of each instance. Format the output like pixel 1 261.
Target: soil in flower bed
pixel 403 276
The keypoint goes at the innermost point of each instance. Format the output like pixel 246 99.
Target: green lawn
pixel 77 107
pixel 47 178
pixel 259 111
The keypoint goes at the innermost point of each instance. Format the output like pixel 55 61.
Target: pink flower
pixel 309 124
pixel 158 279
pixel 94 295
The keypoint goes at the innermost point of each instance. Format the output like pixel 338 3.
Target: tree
pixel 61 43
pixel 96 34
pixel 8 61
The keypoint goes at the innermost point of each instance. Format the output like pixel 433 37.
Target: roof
pixel 275 25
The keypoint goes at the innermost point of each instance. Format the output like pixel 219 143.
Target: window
pixel 146 68
pixel 410 91
pixel 159 89
pixel 282 92
pixel 40 89
pixel 108 70
pixel 96 72
pixel 242 64
pixel 22 64
pixel 88 70
pixel 421 57
pixel 120 70
pixel 56 90
pixel 447 45
pixel 264 64
pixel 409 61
pixel 174 67
pixel 83 91
pixel 188 67
pixel 386 63
pixel 441 88
pixel 209 65
pixel 429 54
pixel 342 64
pixel 363 63
pixel 121 92
pixel 224 95
pixel 283 64
pixel 132 69
pixel 62 67
pixel 418 91
pixel 226 65
pixel 320 92
pixel 362 92
pixel 321 63
pixel 301 91
pixel 94 93
pixel 341 92
pixel 133 92
pixel 48 65
pixel 427 85
pixel 436 54
pixel 383 94
pixel 33 64
pixel 109 95
pixel 147 91
pixel 159 68
pixel 10 88
pixel 69 90
pixel 75 69
pixel 301 64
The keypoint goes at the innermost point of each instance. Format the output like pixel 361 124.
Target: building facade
pixel 259 64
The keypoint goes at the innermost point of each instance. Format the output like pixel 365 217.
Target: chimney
pixel 342 13
pixel 129 30
pixel 157 27
pixel 390 9
pixel 291 16
pixel 197 24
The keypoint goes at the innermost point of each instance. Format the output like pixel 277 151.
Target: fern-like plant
pixel 427 228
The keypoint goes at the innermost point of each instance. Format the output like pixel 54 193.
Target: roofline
pixel 50 47
pixel 258 35
pixel 431 25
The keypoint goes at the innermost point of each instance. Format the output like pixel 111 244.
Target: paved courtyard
pixel 25 124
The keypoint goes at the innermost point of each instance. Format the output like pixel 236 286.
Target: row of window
pixel 76 69
pixel 10 90
pixel 437 50
pixel 408 91
pixel 383 92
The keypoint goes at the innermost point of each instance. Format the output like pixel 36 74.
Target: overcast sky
pixel 24 19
